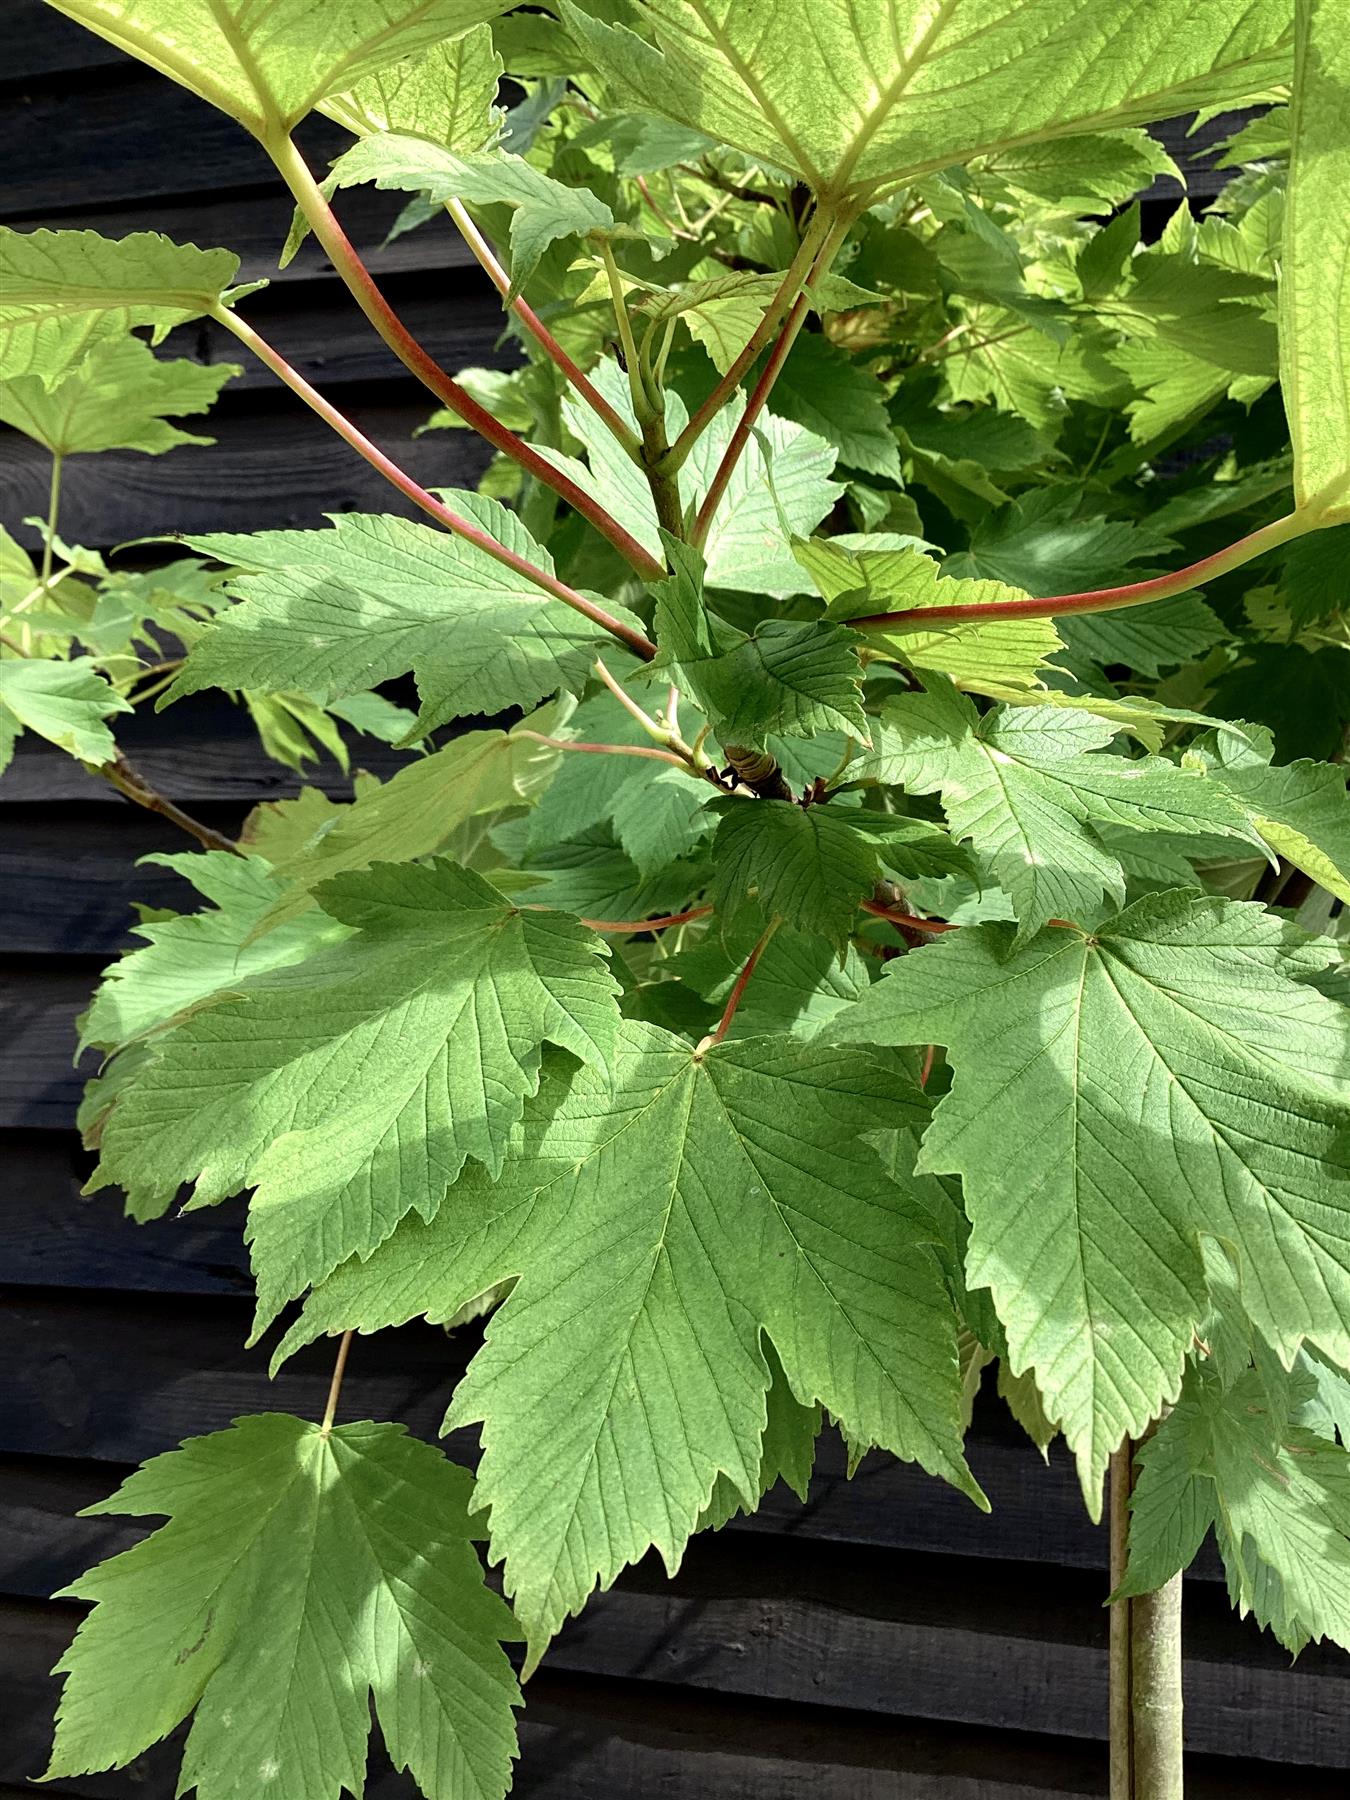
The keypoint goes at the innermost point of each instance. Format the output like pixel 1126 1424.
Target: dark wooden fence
pixel 886 1642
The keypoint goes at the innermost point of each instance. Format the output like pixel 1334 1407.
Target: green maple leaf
pixel 723 310
pixel 1029 789
pixel 1117 1095
pixel 1276 1494
pixel 1044 543
pixel 780 486
pixel 788 1453
pixel 118 398
pixel 191 956
pixel 543 210
pixel 63 291
pixel 349 1088
pixel 336 612
pixel 913 90
pixel 302 1572
pixel 65 702
pixel 269 64
pixel 1315 265
pixel 1076 174
pixel 711 1193
pixel 800 980
pixel 446 92
pixel 1301 809
pixel 418 810
pixel 858 580
pixel 788 677
pixel 824 389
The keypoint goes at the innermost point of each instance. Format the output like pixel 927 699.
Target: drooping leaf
pixel 543 210
pixel 1028 787
pixel 189 957
pixel 788 677
pixel 63 291
pixel 1276 1494
pixel 302 1572
pixel 337 612
pixel 1301 809
pixel 1315 271
pixel 711 1190
pixel 65 702
pixel 858 581
pixel 349 1089
pixel 268 65
pixel 1117 1095
pixel 119 398
pixel 912 89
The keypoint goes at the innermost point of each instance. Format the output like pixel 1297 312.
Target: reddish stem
pixel 346 260
pixel 909 921
pixel 434 508
pixel 1136 593
pixel 742 983
pixel 537 329
pixel 929 1058
pixel 681 918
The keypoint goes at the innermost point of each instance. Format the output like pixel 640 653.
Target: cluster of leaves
pixel 912 955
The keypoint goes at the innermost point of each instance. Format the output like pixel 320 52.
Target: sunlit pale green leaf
pixel 302 1573
pixel 711 1191
pixel 1172 1074
pixel 269 62
pixel 63 291
pixel 119 398
pixel 446 92
pixel 65 702
pixel 349 1088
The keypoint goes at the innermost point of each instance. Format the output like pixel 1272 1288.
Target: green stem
pixel 1145 1666
pixel 777 310
pixel 53 508
pixel 649 409
pixel 1138 593
pixel 530 320
pixel 335 1385
pixel 348 264
pixel 435 509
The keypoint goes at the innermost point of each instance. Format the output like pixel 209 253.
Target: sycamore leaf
pixel 1117 1096
pixel 789 677
pixel 1044 543
pixel 446 93
pixel 1301 809
pixel 712 1193
pixel 1277 1495
pixel 800 981
pixel 1146 639
pixel 858 581
pixel 1078 174
pixel 189 957
pixel 543 210
pixel 64 702
pixel 780 487
pixel 349 1089
pixel 337 612
pixel 118 398
pixel 302 1572
pixel 416 811
pixel 269 64
pixel 592 876
pixel 916 88
pixel 723 311
pixel 788 1453
pixel 1028 788
pixel 1315 264
pixel 63 291
pixel 808 865
pixel 824 389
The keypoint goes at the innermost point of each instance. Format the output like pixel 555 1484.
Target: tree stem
pixel 451 521
pixel 53 507
pixel 128 780
pixel 343 255
pixel 738 991
pixel 1145 1667
pixel 1137 593
pixel 335 1385
pixel 536 327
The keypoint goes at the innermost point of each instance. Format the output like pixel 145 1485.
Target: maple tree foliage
pixel 865 894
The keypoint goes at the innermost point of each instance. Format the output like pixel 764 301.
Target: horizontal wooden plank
pixel 273 464
pixel 254 225
pixel 202 751
pixel 39 41
pixel 53 1237
pixel 127 133
pixel 581 1738
pixel 39 1087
